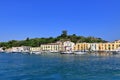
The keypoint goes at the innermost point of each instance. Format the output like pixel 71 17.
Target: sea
pixel 18 66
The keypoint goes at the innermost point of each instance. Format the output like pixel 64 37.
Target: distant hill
pixel 35 42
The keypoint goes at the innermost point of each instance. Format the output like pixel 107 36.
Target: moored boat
pixel 116 52
pixel 67 52
pixel 36 52
pixel 79 52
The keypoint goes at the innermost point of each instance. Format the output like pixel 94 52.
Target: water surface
pixel 58 67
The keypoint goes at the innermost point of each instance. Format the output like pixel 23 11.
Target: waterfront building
pixel 1 49
pixel 58 46
pixel 35 49
pixel 81 46
pixel 93 47
pixel 117 41
pixel 17 49
pixel 68 46
pixel 108 46
pixel 8 50
pixel 20 49
pixel 111 46
pixel 52 47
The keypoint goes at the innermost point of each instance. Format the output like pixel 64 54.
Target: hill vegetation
pixel 35 42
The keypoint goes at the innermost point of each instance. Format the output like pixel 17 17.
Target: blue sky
pixel 44 18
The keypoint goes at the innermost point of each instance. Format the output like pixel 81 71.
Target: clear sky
pixel 44 18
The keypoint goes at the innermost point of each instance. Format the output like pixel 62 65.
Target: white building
pixel 93 47
pixel 1 49
pixel 20 49
pixel 35 49
pixel 68 46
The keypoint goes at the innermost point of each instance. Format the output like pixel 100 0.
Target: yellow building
pixel 108 46
pixel 81 46
pixel 113 46
pixel 52 47
pixel 117 41
pixel 34 49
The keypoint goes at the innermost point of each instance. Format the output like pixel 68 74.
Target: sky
pixel 20 19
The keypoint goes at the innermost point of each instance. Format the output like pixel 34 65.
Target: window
pixel 78 46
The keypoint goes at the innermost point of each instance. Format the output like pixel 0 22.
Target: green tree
pixel 64 34
pixel 27 39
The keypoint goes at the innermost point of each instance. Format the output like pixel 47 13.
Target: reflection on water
pixel 59 67
pixel 103 53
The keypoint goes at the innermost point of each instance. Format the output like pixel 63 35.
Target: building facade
pixel 52 47
pixel 81 46
pixel 1 49
pixel 68 46
pixel 35 49
pixel 58 46
pixel 93 47
pixel 113 46
pixel 108 46
pixel 20 49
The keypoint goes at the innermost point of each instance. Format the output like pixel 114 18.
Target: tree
pixel 27 39
pixel 64 34
pixel 73 38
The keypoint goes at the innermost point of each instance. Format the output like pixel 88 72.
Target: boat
pixel 116 52
pixel 79 52
pixel 36 52
pixel 66 52
pixel 54 51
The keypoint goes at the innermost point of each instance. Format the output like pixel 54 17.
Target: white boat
pixel 54 51
pixel 36 52
pixel 79 52
pixel 67 52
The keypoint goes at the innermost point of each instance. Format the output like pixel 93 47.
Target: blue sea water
pixel 58 67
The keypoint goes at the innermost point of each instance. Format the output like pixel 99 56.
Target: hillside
pixel 35 42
